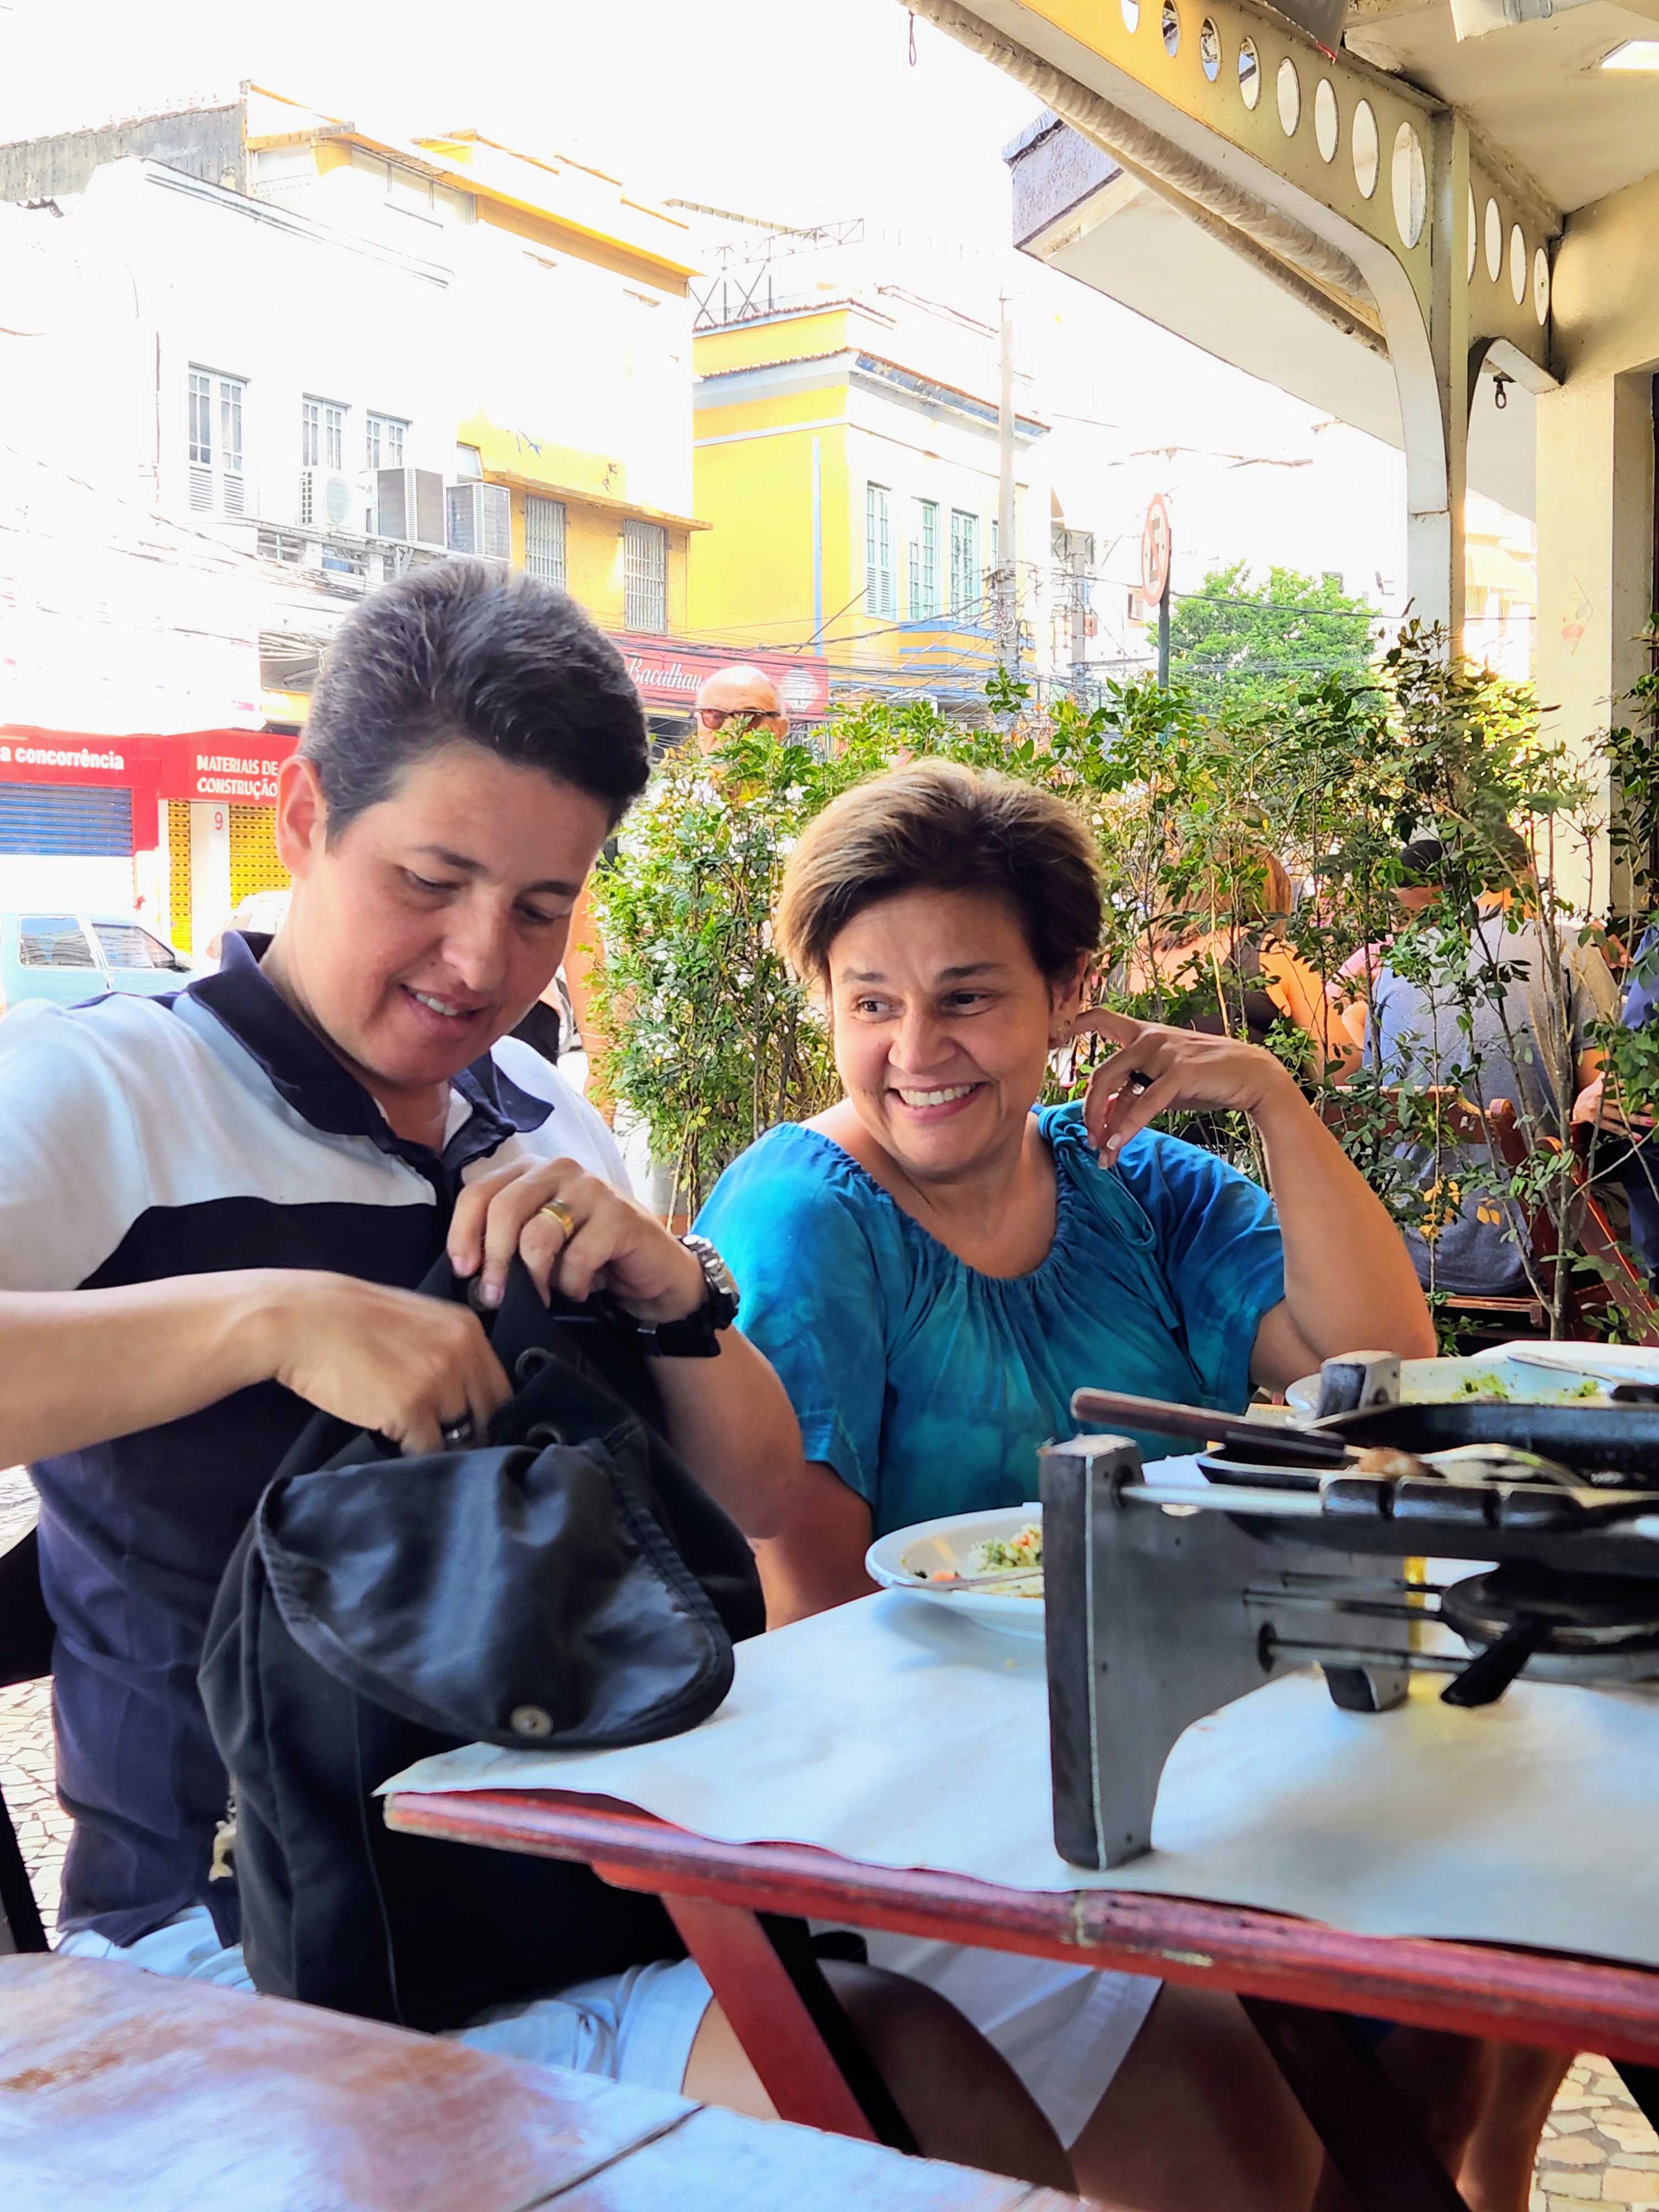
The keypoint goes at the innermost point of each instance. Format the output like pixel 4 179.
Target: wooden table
pixel 1300 1982
pixel 124 2091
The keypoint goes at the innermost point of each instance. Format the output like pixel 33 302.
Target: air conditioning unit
pixel 325 501
pixel 408 504
pixel 480 517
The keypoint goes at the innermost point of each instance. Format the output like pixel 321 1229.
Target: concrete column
pixel 1435 539
pixel 1595 557
pixel 210 872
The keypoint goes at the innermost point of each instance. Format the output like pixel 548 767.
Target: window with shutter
pixel 645 576
pixel 926 588
pixel 383 442
pixel 543 538
pixel 217 480
pixel 879 596
pixel 322 455
pixel 967 592
pixel 230 442
pixel 201 440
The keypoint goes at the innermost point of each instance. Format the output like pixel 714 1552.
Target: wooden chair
pixel 1623 1285
pixel 26 1636
pixel 1601 1279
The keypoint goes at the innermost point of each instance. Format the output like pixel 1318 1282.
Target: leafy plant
pixel 1633 759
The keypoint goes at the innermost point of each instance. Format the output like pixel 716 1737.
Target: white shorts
pixel 1064 2030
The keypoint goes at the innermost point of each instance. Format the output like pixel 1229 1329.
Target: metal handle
pixel 1487 1677
pixel 1197 1423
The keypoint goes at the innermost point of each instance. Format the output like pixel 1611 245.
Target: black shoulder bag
pixel 565 1585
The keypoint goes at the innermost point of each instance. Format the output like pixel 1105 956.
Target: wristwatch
pixel 696 1335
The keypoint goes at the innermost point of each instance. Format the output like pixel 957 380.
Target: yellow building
pixel 846 457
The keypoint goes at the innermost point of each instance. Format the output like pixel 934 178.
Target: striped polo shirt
pixel 149 1137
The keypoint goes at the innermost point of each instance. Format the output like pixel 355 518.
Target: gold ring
pixel 562 1213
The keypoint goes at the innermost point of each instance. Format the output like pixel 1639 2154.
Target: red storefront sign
pixel 239 766
pixel 50 757
pixel 669 673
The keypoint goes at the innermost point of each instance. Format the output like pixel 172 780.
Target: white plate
pixel 1627 1363
pixel 1487 1374
pixel 895 1560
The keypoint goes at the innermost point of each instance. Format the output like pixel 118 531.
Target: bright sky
pixel 762 104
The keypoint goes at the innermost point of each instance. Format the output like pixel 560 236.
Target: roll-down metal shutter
pixel 66 818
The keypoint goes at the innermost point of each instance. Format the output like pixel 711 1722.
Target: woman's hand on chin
pixel 1156 1070
pixel 593 1238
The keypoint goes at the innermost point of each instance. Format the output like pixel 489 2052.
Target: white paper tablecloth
pixel 894 1732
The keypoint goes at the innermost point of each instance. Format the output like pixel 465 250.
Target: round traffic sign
pixel 1155 550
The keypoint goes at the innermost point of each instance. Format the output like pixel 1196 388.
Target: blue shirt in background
pixel 928 1388
pixel 1642 1171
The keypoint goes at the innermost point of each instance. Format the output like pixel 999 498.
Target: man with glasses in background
pixel 733 700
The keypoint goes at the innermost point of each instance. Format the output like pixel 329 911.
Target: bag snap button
pixel 531 1720
pixel 543 1434
pixel 530 1364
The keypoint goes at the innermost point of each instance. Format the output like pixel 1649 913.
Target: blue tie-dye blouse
pixel 929 1388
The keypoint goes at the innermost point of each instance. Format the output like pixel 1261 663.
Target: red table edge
pixel 1545 1998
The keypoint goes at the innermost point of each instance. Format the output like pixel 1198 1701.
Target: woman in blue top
pixel 932 1269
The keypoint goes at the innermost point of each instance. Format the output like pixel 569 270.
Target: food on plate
pixel 970 1565
pixel 1000 1556
pixel 1494 1386
pixel 1022 1549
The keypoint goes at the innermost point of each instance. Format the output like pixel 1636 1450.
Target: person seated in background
pixel 1624 1150
pixel 216 1207
pixel 934 1267
pixel 1506 1009
pixel 1353 988
pixel 1242 978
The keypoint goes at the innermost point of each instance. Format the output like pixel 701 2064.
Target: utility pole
pixel 1164 638
pixel 1157 539
pixel 1006 570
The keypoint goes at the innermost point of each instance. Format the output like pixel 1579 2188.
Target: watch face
pixel 719 1276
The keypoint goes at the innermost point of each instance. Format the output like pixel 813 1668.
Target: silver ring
pixel 457 1433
